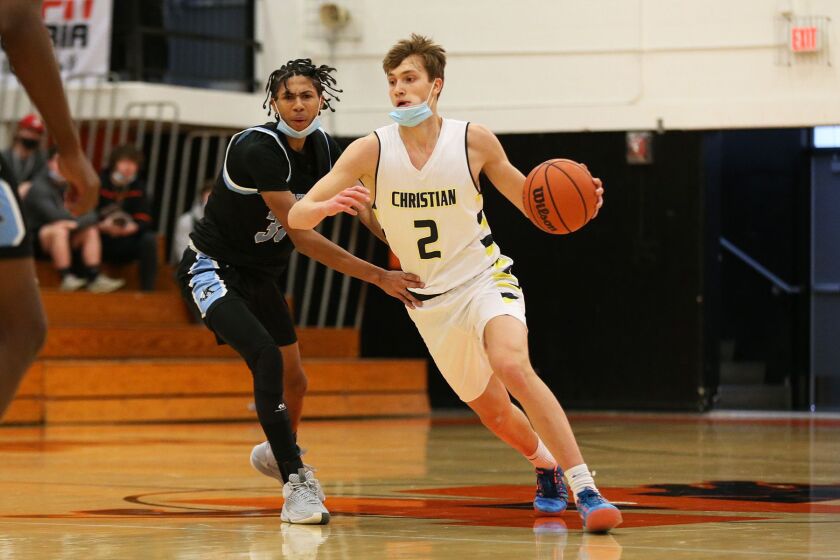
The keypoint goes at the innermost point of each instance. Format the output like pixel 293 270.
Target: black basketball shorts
pixel 207 283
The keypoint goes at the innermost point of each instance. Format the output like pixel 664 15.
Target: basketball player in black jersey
pixel 242 245
pixel 22 322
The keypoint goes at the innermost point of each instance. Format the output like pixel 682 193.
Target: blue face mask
pixel 283 127
pixel 414 115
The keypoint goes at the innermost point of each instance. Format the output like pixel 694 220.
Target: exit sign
pixel 805 39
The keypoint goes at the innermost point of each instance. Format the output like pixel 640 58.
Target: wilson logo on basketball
pixel 560 196
pixel 542 209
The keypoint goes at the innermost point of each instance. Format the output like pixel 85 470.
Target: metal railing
pixel 322 299
pixel 200 172
pixel 161 115
pixel 92 98
pixel 85 95
pixel 14 104
pixel 759 268
pixel 325 300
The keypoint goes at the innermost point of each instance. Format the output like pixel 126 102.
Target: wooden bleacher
pixel 48 277
pixel 136 357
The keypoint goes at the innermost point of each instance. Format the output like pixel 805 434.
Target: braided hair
pixel 320 75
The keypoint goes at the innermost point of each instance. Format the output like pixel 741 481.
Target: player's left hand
pixel 83 191
pixel 396 283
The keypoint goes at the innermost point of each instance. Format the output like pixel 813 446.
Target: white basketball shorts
pixel 452 326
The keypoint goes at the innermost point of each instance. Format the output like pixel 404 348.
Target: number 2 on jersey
pixel 424 242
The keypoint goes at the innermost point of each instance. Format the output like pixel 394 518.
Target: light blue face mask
pixel 414 115
pixel 283 127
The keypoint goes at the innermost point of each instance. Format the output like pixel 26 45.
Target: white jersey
pixel 433 218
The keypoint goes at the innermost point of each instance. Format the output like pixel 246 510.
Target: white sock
pixel 542 457
pixel 579 478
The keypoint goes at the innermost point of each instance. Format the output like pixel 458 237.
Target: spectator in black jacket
pixel 125 219
pixel 58 233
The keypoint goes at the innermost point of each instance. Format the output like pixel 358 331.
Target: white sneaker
pixel 71 283
pixel 262 459
pixel 301 503
pixel 104 284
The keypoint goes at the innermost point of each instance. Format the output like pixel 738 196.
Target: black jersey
pixel 238 228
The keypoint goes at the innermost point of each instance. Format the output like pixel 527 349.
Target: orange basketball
pixel 559 196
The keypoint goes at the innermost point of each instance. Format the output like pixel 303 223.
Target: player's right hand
pixel 599 192
pixel 350 200
pixel 83 191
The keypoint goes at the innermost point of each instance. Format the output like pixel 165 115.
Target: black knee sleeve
pixel 266 365
pixel 238 327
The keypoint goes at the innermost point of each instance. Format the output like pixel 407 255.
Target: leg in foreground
pixel 23 326
pixel 510 424
pixel 233 321
pixel 294 389
pixel 506 342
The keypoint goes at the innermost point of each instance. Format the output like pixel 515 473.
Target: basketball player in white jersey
pixel 420 176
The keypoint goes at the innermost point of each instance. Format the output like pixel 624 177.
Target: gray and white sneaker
pixel 105 284
pixel 301 502
pixel 71 283
pixel 262 459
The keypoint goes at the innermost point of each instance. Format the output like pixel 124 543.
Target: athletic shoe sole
pixel 317 519
pixel 548 511
pixel 602 520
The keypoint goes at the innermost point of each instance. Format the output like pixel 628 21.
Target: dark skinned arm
pixel 30 52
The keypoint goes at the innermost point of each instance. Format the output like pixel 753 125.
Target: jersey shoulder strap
pixel 238 137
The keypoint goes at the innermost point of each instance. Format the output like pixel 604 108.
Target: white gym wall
pixel 571 65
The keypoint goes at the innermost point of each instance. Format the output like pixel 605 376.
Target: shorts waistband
pixel 425 297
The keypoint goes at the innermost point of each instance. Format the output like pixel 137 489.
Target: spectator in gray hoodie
pixel 57 233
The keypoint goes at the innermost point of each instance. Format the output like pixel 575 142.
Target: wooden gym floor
pixel 706 487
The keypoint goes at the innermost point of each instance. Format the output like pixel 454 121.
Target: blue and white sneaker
pixel 551 497
pixel 598 515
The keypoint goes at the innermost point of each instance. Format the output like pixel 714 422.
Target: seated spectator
pixel 186 222
pixel 125 220
pixel 57 233
pixel 26 158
